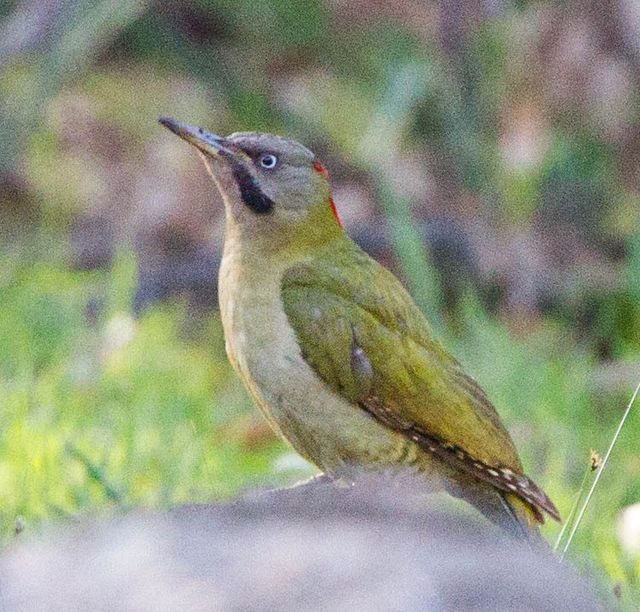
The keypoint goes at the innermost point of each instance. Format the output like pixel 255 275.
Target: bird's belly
pixel 318 423
pixel 322 426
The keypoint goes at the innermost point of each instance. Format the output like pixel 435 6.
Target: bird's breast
pixel 262 346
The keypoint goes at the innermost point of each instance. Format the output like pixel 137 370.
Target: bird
pixel 333 349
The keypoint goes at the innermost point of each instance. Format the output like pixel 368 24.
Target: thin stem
pixel 600 471
pixel 573 508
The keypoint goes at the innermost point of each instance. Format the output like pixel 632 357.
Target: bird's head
pixel 274 189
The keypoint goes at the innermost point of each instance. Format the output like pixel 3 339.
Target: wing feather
pixel 346 305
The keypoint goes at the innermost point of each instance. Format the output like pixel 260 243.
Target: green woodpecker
pixel 333 349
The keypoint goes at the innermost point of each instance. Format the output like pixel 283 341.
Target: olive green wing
pixel 365 337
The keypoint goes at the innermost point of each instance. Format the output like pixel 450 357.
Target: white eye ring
pixel 268 161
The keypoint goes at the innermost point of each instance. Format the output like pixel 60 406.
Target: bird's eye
pixel 268 161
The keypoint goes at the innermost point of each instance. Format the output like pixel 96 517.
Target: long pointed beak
pixel 208 143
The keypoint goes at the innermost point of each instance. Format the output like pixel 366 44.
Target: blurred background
pixel 488 151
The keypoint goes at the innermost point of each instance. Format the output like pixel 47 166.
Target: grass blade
pixel 595 462
pixel 614 440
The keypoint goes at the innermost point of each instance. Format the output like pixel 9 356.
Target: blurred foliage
pixel 489 152
pixel 111 410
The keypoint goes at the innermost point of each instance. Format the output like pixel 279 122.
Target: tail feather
pixel 517 517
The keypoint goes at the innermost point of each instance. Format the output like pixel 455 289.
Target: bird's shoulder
pixel 344 272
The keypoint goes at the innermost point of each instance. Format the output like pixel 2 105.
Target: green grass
pixel 114 413
pixel 120 412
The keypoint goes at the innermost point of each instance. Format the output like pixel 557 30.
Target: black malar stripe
pixel 250 191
